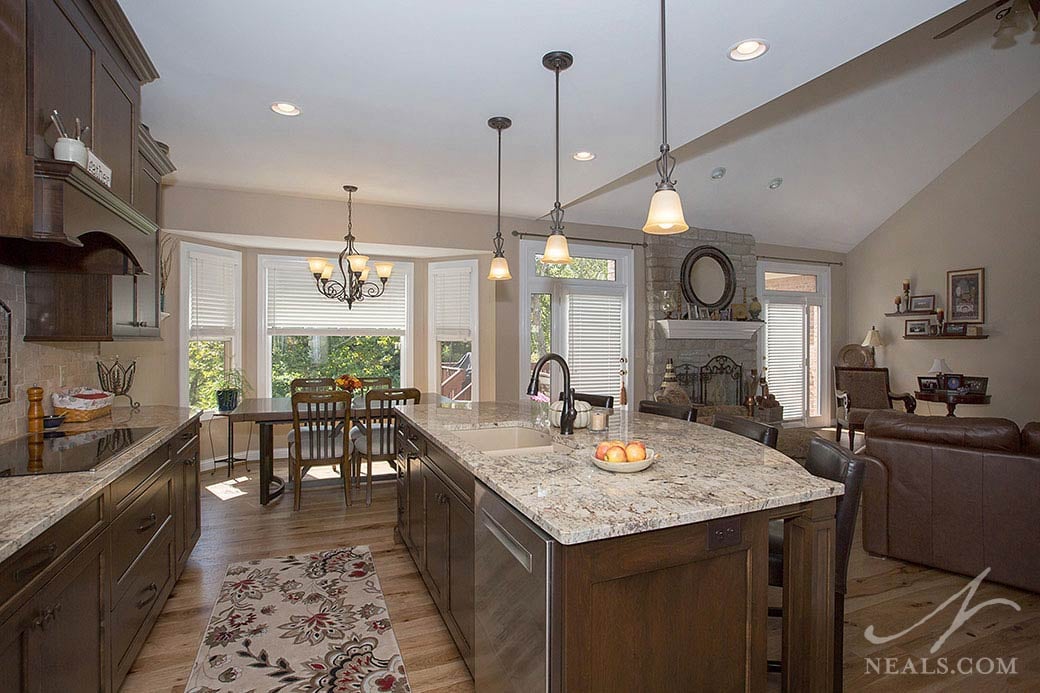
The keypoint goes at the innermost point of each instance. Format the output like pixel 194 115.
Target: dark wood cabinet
pixel 435 520
pixel 77 602
pixel 16 163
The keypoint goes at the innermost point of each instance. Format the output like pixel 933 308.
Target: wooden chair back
pixel 755 430
pixel 675 411
pixel 379 382
pixel 381 420
pixel 320 420
pixel 311 385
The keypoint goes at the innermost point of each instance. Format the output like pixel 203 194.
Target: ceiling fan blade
pixel 965 22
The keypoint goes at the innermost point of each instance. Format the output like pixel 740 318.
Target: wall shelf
pixel 946 336
pixel 911 314
pixel 709 329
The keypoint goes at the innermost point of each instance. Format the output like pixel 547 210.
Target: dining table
pixel 268 412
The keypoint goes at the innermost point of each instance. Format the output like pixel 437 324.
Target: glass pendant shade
pixel 499 269
pixel 364 273
pixel 383 269
pixel 357 262
pixel 326 271
pixel 317 264
pixel 556 250
pixel 665 216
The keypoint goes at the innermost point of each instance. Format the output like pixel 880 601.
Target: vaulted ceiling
pixel 395 98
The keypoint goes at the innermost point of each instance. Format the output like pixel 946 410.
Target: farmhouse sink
pixel 511 440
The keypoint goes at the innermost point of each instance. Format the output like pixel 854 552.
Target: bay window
pixel 453 329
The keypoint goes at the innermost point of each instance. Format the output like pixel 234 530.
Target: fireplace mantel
pixel 709 329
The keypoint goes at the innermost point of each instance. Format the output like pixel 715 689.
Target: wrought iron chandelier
pixel 354 285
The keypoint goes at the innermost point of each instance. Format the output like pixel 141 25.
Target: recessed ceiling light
pixel 748 49
pixel 776 183
pixel 718 173
pixel 583 156
pixel 285 108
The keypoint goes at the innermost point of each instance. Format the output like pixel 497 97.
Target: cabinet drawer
pixel 409 441
pixel 459 478
pixel 133 529
pixel 35 561
pixel 151 580
pixel 134 479
pixel 185 442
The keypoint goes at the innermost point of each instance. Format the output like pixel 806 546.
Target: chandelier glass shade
pixel 352 285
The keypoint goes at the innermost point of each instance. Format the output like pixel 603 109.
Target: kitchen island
pixel 552 574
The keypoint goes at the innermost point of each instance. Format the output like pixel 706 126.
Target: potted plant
pixel 229 388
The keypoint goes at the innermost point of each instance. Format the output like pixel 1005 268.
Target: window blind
pixel 213 289
pixel 294 305
pixel 785 356
pixel 595 342
pixel 452 303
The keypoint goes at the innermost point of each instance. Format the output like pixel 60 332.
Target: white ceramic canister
pixel 70 149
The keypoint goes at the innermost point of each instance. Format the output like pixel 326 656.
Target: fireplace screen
pixel 719 381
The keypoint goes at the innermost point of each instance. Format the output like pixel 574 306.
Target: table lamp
pixel 873 338
pixel 939 366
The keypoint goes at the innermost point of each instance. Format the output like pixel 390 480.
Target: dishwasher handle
pixel 515 548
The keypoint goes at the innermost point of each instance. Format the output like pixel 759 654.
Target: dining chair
pixel 379 381
pixel 378 442
pixel 755 430
pixel 320 420
pixel 829 461
pixel 306 385
pixel 605 401
pixel 675 411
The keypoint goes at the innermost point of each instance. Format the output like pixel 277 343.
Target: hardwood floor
pixel 889 594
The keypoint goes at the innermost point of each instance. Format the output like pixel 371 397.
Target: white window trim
pixel 822 298
pixel 184 271
pixel 263 344
pixel 432 360
pixel 530 283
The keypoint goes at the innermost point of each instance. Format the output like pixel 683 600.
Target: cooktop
pixel 56 452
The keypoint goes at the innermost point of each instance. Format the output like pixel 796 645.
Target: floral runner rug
pixel 309 623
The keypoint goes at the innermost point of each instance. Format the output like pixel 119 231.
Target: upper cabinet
pixel 82 59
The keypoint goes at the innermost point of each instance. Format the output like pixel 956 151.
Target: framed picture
pixel 955 329
pixel 922 304
pixel 916 328
pixel 975 385
pixel 5 353
pixel 951 381
pixel 966 295
pixel 927 383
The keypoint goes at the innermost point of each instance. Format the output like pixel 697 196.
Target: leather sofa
pixel 960 494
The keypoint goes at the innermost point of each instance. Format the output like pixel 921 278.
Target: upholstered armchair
pixel 860 391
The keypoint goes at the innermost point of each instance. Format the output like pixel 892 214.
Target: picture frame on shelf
pixel 917 328
pixel 955 329
pixel 924 303
pixel 966 295
pixel 951 381
pixel 927 383
pixel 975 385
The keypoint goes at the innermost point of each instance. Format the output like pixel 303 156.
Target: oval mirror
pixel 707 278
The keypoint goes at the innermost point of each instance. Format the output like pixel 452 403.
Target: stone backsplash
pixel 664 258
pixel 37 363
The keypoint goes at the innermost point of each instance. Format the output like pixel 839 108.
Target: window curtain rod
pixel 578 238
pixel 801 260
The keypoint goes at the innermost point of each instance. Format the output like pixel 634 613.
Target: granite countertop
pixel 701 473
pixel 31 504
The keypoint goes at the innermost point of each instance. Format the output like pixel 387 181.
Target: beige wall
pixel 983 211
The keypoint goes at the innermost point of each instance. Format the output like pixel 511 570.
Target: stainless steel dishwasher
pixel 513 575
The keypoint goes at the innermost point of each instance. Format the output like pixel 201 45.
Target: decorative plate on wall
pixel 5 353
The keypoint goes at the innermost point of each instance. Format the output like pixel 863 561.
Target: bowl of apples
pixel 619 456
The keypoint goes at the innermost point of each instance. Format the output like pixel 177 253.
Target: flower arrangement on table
pixel 349 383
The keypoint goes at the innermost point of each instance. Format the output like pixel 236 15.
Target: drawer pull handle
pixel 147 523
pixel 47 554
pixel 191 460
pixel 152 590
pixel 47 616
pixel 442 498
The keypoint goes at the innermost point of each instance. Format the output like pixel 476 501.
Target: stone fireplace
pixel 664 257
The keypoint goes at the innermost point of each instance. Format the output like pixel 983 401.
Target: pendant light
pixel 556 251
pixel 665 216
pixel 499 265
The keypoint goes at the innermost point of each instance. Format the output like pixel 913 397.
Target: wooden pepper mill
pixel 35 394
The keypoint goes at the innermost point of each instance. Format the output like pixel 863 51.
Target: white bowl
pixel 625 467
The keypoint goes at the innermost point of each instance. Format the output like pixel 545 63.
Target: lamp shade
pixel 499 269
pixel 383 269
pixel 316 264
pixel 326 272
pixel 873 338
pixel 939 366
pixel 556 250
pixel 364 273
pixel 665 216
pixel 357 262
